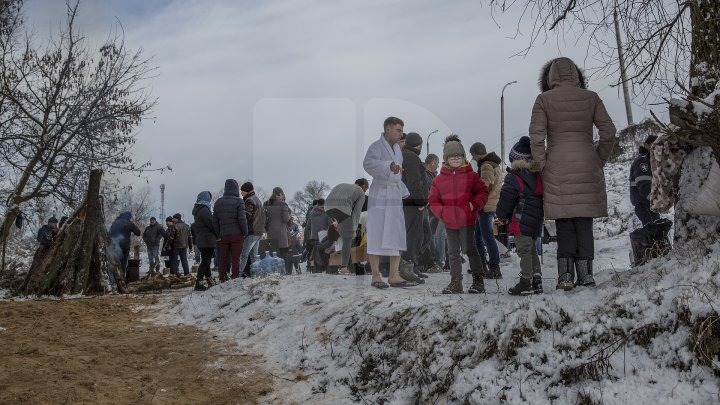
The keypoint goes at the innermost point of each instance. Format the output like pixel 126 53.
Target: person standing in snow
pixel 491 173
pixel 278 217
pixel 152 235
pixel 415 179
pixel 385 220
pixel 120 231
pixel 456 197
pixel 205 238
pixel 344 204
pixel 255 217
pixel 521 204
pixel 182 241
pixel 230 223
pixel 641 182
pixel 561 135
pixel 438 235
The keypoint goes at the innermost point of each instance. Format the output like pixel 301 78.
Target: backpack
pixel 650 241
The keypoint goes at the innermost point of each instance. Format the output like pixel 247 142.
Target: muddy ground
pixel 101 351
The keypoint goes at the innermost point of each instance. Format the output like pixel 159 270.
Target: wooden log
pixel 87 240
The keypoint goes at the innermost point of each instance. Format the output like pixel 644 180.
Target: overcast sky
pixel 283 92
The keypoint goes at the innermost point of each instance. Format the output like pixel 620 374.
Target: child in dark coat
pixel 521 204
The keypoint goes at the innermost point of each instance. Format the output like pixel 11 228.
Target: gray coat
pixel 204 232
pixel 349 199
pixel 318 221
pixel 278 217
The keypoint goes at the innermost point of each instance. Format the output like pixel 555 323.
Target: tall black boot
pixel 584 272
pixel 566 273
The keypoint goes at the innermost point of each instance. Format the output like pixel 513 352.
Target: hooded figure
pixel 120 231
pixel 561 134
pixel 230 224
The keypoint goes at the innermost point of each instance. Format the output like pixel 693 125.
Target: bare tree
pixel 302 200
pixel 671 47
pixel 66 109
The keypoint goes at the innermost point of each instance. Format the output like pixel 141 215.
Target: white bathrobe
pixel 385 218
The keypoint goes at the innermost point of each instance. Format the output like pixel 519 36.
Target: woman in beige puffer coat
pixel 561 133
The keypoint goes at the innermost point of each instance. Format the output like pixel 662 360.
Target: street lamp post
pixel 502 122
pixel 427 152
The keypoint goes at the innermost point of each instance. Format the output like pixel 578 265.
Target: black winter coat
pixel 46 234
pixel 415 178
pixel 521 202
pixel 254 214
pixel 204 234
pixel 640 178
pixel 152 234
pixel 121 229
pixel 229 213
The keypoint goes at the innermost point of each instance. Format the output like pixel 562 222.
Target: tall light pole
pixel 502 122
pixel 427 152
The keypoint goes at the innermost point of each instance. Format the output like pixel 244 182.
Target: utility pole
pixel 502 123
pixel 162 203
pixel 427 152
pixel 623 76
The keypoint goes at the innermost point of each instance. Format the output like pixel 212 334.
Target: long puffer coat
pixel 561 133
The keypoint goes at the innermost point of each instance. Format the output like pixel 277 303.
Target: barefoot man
pixel 385 219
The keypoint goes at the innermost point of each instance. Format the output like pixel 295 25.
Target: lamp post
pixel 502 122
pixel 427 152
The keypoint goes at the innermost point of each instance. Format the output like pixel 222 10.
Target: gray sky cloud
pixel 283 92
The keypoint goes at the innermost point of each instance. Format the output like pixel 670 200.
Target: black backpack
pixel 650 241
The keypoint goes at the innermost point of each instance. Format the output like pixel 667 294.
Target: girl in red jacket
pixel 457 195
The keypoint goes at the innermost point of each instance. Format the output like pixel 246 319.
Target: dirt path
pixel 99 351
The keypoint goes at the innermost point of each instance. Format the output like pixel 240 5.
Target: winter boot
pixel 523 287
pixel 584 272
pixel 537 283
pixel 199 286
pixel 209 280
pixel 406 272
pixel 419 273
pixel 493 272
pixel 455 287
pixel 478 285
pixel 566 273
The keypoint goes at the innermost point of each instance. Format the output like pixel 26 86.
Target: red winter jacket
pixel 452 191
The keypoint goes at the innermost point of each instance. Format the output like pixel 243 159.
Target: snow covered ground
pixel 638 337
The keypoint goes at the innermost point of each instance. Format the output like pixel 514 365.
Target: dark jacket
pixel 254 214
pixel 521 199
pixel 452 191
pixel 168 240
pixel 414 177
pixel 229 212
pixel 204 235
pixel 640 178
pixel 46 235
pixel 318 220
pixel 182 238
pixel 121 229
pixel 152 234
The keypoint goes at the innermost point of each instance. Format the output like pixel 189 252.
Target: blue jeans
pixel 485 238
pixel 251 242
pixel 154 257
pixel 174 265
pixel 439 239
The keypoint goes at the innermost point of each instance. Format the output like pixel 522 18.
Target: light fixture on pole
pixel 427 152
pixel 502 122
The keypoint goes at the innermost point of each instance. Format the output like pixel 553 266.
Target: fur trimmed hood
pixel 561 71
pixel 520 164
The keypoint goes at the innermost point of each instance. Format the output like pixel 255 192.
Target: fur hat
pixel 413 139
pixel 478 148
pixel 453 146
pixel 247 187
pixel 521 150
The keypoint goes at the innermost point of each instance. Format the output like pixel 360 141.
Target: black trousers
pixel 206 255
pixel 575 238
pixel 414 229
pixel 644 214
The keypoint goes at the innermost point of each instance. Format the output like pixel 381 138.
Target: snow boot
pixel 537 283
pixel 584 272
pixel 566 273
pixel 478 285
pixel 406 272
pixel 523 287
pixel 455 287
pixel 199 286
pixel 493 272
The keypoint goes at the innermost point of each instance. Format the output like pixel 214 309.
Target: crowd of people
pixel 412 219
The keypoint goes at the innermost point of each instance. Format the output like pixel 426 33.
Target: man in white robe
pixel 385 219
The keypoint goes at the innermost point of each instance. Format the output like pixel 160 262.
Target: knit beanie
pixel 413 140
pixel 452 147
pixel 247 187
pixel 478 148
pixel 521 150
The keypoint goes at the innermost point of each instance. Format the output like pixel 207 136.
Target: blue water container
pixel 255 266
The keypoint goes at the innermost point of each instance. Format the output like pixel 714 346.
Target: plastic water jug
pixel 255 266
